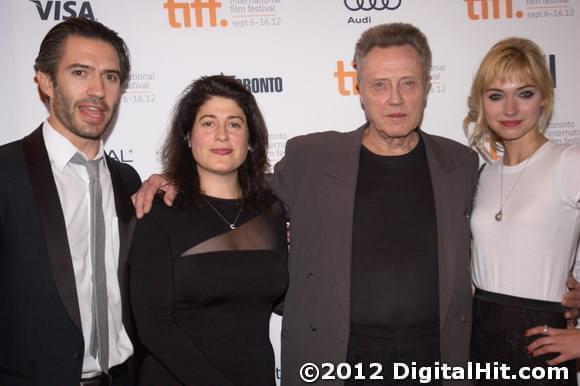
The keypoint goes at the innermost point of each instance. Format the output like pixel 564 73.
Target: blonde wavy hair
pixel 509 59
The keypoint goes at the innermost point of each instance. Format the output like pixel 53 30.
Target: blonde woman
pixel 526 217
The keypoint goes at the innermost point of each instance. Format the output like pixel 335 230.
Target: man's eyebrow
pixel 87 67
pixel 112 71
pixel 79 65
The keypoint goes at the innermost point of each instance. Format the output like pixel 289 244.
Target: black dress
pixel 202 293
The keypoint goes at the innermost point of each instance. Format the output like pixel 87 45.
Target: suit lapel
pixel 336 197
pixel 445 187
pixel 126 221
pixel 52 222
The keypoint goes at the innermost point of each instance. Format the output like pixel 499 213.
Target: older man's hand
pixel 143 198
pixel 571 301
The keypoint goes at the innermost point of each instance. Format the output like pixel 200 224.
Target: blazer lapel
pixel 336 198
pixel 127 222
pixel 445 187
pixel 52 222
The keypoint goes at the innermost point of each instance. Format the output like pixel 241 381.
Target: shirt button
pixel 310 275
pixel 463 318
pixel 313 327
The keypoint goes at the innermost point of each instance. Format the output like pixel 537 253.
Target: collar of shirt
pixel 60 150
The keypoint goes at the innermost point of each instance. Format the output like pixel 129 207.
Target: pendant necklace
pixel 232 224
pixel 499 214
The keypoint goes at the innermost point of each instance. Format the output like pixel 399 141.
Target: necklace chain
pixel 232 224
pixel 502 202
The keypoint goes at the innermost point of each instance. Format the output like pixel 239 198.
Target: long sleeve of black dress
pixel 152 300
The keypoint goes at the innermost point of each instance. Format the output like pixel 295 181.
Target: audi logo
pixel 369 5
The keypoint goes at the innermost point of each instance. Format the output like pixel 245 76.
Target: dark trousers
pixel 117 376
pixel 418 346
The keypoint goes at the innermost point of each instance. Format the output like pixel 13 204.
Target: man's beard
pixel 64 110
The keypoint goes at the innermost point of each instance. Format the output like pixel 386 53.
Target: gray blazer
pixel 317 181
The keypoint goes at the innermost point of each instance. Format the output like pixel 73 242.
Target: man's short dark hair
pixel 50 51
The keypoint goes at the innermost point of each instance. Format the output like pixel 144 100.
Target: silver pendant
pixel 232 226
pixel 499 215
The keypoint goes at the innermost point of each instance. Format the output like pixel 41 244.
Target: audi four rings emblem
pixel 369 5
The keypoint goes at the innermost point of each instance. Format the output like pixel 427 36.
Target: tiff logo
pixel 479 9
pixel 180 13
pixel 64 9
pixel 347 82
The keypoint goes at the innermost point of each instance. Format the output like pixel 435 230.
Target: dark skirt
pixel 499 324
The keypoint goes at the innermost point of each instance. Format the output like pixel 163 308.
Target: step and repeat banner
pixel 294 55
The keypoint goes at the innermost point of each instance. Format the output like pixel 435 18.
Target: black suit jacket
pixel 41 342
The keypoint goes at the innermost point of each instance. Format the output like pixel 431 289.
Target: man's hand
pixel 143 198
pixel 571 301
pixel 564 342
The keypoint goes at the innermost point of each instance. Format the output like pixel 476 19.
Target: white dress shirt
pixel 72 183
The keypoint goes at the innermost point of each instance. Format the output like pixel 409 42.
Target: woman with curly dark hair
pixel 207 273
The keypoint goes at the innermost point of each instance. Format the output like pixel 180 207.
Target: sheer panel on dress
pixel 263 232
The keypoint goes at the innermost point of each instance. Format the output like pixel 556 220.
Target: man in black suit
pixel 52 331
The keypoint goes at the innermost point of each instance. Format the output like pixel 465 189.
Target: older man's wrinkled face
pixel 393 91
